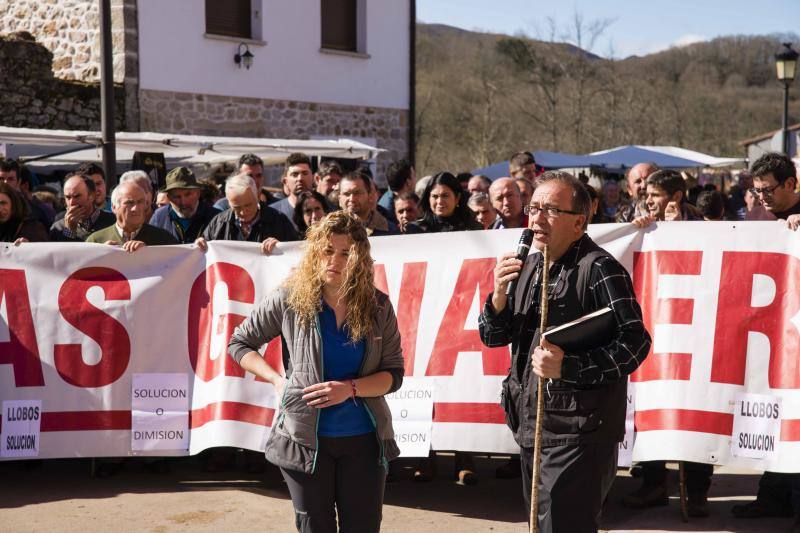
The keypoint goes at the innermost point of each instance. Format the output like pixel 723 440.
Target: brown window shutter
pixel 229 17
pixel 339 25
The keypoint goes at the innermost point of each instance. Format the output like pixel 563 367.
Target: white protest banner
pixel 160 412
pixel 756 425
pixel 412 416
pixel 625 457
pixel 719 299
pixel 21 428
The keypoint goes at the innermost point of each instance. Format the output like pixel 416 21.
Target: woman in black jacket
pixel 442 209
pixel 16 225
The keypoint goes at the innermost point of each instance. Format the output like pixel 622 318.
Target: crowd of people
pixel 189 211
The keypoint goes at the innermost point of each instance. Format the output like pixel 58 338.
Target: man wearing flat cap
pixel 186 216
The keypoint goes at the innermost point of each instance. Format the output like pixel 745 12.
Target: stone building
pixel 319 68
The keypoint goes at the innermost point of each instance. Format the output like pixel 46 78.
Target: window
pixel 339 23
pixel 233 18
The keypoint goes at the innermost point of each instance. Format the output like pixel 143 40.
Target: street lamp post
pixel 786 63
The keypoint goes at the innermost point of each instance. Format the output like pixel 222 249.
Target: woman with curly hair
pixel 332 437
pixel 442 208
pixel 310 208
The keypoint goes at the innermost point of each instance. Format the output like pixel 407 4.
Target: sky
pixel 636 27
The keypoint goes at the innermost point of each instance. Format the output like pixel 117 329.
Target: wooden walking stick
pixel 682 492
pixel 537 442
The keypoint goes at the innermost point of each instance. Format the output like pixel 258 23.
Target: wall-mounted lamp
pixel 245 58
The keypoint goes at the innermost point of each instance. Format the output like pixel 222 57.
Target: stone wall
pixel 200 114
pixel 70 30
pixel 34 98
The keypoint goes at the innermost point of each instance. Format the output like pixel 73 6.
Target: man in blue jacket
pixel 186 216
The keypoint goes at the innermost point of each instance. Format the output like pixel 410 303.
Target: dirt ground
pixel 61 495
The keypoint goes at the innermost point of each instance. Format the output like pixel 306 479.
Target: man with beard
pixel 665 199
pixel 82 217
pixel 774 183
pixel 297 178
pixel 356 196
pixel 634 207
pixel 186 216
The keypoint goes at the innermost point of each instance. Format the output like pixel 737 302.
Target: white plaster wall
pixel 175 56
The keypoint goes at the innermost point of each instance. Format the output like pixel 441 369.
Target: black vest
pixel 573 415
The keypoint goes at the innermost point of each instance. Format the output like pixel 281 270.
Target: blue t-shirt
pixel 341 361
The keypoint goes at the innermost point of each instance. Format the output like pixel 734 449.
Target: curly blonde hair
pixel 305 283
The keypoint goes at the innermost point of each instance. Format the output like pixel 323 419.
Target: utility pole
pixel 107 107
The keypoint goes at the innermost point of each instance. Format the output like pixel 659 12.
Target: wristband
pixel 353 391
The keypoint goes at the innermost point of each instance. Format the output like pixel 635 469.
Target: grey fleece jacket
pixel 292 443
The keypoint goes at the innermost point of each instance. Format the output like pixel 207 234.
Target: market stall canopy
pixel 700 157
pixel 620 157
pixel 27 143
pixel 548 160
pixel 663 156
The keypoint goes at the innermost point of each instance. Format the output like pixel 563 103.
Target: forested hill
pixel 482 97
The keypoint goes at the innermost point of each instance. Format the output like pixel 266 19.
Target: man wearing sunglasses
pixel 585 401
pixel 775 184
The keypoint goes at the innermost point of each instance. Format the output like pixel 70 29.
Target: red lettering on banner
pixel 201 317
pixel 409 303
pixel 105 330
pixel 736 317
pixel 647 268
pixel 452 338
pixel 21 350
pixel 379 279
pixel 273 355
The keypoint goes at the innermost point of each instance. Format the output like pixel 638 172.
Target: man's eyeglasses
pixel 764 191
pixel 549 210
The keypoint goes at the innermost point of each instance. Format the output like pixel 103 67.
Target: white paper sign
pixel 22 420
pixel 412 416
pixel 160 412
pixel 625 457
pixel 756 426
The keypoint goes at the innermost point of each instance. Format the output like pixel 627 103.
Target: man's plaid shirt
pixel 609 285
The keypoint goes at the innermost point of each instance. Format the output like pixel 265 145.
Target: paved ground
pixel 62 496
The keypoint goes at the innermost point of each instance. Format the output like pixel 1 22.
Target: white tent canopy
pixel 700 158
pixel 27 143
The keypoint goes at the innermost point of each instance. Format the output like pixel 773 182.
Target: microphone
pixel 523 247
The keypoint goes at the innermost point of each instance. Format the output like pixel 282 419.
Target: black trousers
pixel 775 491
pixel 574 483
pixel 348 479
pixel 698 475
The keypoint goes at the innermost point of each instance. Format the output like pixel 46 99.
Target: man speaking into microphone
pixel 585 397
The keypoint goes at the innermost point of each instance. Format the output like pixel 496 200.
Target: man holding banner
pixel 585 402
